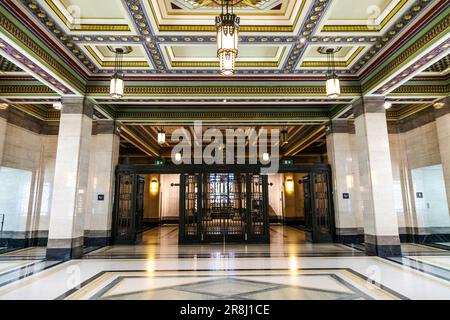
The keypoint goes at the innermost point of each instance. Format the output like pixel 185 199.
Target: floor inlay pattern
pixel 280 285
pixel 288 268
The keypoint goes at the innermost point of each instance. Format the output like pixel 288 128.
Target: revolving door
pixel 223 207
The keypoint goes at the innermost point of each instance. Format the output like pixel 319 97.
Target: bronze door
pixel 224 208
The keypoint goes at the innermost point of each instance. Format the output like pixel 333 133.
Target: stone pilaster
pixel 3 124
pixel 342 165
pixel 69 197
pixel 104 159
pixel 443 132
pixel 376 182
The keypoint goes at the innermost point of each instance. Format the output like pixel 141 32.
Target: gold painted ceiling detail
pixel 218 3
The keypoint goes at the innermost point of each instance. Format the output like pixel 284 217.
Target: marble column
pixel 104 159
pixel 344 193
pixel 443 132
pixel 68 206
pixel 376 182
pixel 3 124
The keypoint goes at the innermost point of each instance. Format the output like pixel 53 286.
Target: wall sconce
pixel 154 186
pixel 289 185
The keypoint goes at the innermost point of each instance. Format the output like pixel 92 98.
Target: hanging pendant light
pixel 117 84
pixel 333 84
pixel 161 137
pixel 284 137
pixel 227 25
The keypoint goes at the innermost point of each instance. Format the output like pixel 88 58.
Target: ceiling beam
pixel 20 46
pixel 427 46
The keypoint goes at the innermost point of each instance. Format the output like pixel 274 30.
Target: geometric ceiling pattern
pixel 441 67
pixel 54 48
pixel 7 66
pixel 397 48
pixel 177 37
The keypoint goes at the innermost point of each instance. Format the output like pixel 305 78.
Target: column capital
pixel 339 126
pixel 105 127
pixel 4 113
pixel 368 105
pixel 445 109
pixel 78 105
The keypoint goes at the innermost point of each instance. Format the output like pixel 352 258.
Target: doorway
pixel 223 207
pixel 221 204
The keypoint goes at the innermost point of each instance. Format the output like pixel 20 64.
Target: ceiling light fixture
pixel 161 137
pixel 439 105
pixel 227 25
pixel 117 84
pixel 57 105
pixel 387 105
pixel 284 137
pixel 333 85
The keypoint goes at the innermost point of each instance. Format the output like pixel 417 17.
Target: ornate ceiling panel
pixel 7 66
pixel 442 67
pixel 177 37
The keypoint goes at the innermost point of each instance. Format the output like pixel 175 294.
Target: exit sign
pixel 288 162
pixel 159 162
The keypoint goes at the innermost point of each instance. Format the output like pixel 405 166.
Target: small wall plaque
pixel 346 195
pixel 101 197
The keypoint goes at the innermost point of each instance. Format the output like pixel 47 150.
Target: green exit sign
pixel 160 162
pixel 288 162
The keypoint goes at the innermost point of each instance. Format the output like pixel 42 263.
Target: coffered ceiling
pixel 395 48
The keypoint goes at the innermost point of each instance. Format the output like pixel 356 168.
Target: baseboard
pixel 294 221
pixel 424 238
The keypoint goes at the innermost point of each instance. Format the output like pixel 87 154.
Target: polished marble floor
pixel 288 268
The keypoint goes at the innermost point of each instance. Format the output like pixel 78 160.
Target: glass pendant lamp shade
pixel 227 25
pixel 284 137
pixel 333 87
pixel 161 137
pixel 117 86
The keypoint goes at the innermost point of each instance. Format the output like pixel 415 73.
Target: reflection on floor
pixel 163 243
pixel 288 268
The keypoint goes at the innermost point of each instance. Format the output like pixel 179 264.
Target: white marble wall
pixel 33 153
pixel 3 124
pixel 170 196
pixel 342 163
pixel 398 176
pixel 412 150
pixel 276 195
pixel 15 201
pixel 71 177
pixel 376 175
pixel 104 158
pixel 22 148
pixel 357 207
pixel 422 146
pixel 443 135
pixel 45 184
